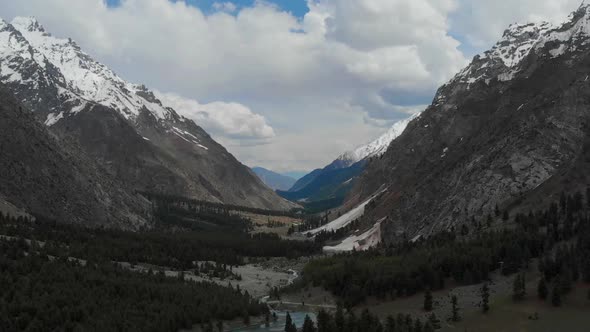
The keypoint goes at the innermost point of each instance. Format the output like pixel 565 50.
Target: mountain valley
pixel 473 214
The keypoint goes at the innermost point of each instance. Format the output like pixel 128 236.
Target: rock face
pixel 141 142
pixel 510 130
pixel 41 175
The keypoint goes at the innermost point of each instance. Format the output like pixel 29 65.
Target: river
pixel 279 325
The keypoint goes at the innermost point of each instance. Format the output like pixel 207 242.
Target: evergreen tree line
pixel 567 264
pixel 175 249
pixel 61 294
pixel 341 321
pixel 201 218
pixel 158 199
pixel 408 268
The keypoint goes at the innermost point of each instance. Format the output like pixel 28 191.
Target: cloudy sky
pixel 288 84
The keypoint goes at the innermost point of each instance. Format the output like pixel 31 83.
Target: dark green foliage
pixel 289 325
pixel 485 298
pixel 325 322
pixel 418 326
pixel 413 267
pixel 428 300
pixel 519 288
pixel 455 309
pixel 162 199
pixel 405 268
pixel 542 290
pixel 390 324
pixel 63 293
pixel 160 247
pixel 556 297
pixel 428 327
pixel 434 321
pixel 339 320
pixel 308 325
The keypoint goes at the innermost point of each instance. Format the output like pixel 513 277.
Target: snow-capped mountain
pixel 122 125
pixel 509 130
pixel 81 78
pixel 376 147
pixel 503 60
pixel 333 182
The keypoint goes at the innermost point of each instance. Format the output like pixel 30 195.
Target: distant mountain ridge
pixel 274 180
pixel 334 181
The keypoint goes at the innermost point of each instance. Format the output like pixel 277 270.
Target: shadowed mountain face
pixel 273 180
pixel 45 176
pixel 509 130
pixel 326 184
pixel 139 141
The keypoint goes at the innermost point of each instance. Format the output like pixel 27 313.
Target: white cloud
pixel 347 67
pixel 228 7
pixel 219 118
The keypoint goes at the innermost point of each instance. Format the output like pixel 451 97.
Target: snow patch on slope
pixel 364 241
pixel 346 218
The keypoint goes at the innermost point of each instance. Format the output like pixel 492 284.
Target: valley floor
pixel 504 316
pixel 256 278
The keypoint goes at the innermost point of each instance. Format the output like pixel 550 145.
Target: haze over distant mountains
pixel 274 180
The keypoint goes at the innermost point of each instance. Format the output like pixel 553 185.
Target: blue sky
pixel 296 7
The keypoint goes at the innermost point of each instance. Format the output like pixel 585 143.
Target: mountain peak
pixel 85 78
pixel 377 147
pixel 28 23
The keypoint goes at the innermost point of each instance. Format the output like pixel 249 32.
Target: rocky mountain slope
pixel 44 176
pixel 334 181
pixel 510 130
pixel 274 180
pixel 140 141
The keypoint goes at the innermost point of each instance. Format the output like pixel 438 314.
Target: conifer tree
pixel 556 296
pixel 390 324
pixel 289 326
pixel 267 319
pixel 324 321
pixel 485 298
pixel 418 326
pixel 505 215
pixel 339 319
pixel 455 309
pixel 518 288
pixel 428 300
pixel 434 321
pixel 542 290
pixel 308 325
